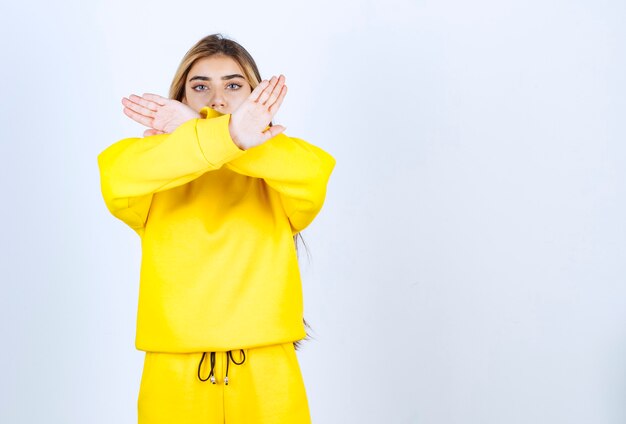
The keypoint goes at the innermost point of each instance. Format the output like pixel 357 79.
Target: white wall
pixel 468 265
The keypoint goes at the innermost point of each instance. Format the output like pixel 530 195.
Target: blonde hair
pixel 214 44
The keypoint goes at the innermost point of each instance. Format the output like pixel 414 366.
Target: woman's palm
pixel 248 124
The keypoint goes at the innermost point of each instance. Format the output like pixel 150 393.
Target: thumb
pixel 152 131
pixel 273 131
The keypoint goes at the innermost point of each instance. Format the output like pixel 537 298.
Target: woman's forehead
pixel 215 66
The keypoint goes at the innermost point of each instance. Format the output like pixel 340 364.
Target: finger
pixel 274 107
pixel 276 91
pixel 133 104
pixel 148 104
pixel 153 106
pixel 254 96
pixel 152 131
pixel 273 131
pixel 143 120
pixel 155 98
pixel 268 90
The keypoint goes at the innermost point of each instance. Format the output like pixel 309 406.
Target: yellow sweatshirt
pixel 219 269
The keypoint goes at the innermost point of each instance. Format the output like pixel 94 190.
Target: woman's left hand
pixel 160 114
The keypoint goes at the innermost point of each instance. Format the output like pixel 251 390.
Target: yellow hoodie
pixel 219 269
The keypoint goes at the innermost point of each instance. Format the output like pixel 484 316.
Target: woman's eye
pixel 234 86
pixel 200 87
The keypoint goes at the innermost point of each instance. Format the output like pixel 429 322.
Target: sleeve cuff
pixel 215 142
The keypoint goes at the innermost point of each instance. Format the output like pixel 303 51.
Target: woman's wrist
pixel 235 137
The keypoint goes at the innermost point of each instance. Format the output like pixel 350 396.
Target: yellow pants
pixel 266 388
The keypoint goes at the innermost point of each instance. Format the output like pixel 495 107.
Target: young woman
pixel 217 194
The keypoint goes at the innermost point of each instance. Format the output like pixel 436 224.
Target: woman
pixel 217 194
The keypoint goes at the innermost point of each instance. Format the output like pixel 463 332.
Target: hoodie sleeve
pixel 133 169
pixel 297 170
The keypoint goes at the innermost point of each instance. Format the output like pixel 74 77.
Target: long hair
pixel 297 344
pixel 217 44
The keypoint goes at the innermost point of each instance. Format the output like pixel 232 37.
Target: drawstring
pixel 229 357
pixel 211 376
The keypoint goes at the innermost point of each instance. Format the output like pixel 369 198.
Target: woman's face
pixel 217 82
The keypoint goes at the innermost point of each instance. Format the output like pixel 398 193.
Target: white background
pixel 469 263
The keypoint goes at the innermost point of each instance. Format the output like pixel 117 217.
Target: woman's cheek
pixel 237 101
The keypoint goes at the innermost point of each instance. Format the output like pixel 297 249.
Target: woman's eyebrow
pixel 224 78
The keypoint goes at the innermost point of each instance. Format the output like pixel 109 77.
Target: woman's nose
pixel 217 101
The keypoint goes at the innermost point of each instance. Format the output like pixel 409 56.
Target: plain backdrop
pixel 468 266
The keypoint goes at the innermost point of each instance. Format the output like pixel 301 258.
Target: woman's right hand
pixel 160 114
pixel 249 121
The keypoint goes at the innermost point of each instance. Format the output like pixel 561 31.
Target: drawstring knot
pixel 229 357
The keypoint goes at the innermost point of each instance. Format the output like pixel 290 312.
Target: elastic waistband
pixel 229 357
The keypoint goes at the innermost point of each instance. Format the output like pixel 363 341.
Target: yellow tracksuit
pixel 219 274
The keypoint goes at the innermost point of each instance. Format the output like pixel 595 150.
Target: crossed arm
pixel 133 170
pixel 248 123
